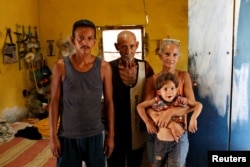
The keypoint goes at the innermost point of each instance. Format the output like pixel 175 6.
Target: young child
pixel 166 150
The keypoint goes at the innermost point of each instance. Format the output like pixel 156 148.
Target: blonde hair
pixel 167 41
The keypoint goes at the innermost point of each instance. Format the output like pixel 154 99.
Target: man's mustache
pixel 85 47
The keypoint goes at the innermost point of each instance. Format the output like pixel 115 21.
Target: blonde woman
pixel 169 53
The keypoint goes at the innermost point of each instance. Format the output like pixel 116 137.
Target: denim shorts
pixel 184 145
pixel 166 153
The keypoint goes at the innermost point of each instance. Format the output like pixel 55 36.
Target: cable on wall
pixel 145 11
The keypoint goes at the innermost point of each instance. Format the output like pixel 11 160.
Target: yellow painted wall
pixel 13 80
pixel 54 18
pixel 166 18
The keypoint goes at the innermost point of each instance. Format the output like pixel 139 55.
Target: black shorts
pixel 89 149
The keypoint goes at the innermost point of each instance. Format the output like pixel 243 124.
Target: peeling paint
pixel 212 50
pixel 240 95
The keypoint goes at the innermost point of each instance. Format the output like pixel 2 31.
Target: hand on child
pixel 192 125
pixel 182 100
pixel 151 128
pixel 176 130
pixel 164 119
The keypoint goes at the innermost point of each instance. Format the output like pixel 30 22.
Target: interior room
pixel 214 38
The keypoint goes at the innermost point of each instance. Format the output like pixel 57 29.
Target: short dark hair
pixel 161 80
pixel 83 23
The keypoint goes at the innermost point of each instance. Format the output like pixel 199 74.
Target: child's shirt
pixel 161 105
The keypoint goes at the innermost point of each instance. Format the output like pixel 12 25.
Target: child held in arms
pixel 167 97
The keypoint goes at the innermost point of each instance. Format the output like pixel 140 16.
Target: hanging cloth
pixel 9 49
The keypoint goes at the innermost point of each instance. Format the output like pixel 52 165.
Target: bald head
pixel 126 44
pixel 125 35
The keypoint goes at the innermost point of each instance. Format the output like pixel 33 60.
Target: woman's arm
pixel 141 109
pixel 165 117
pixel 193 120
pixel 188 87
pixel 149 94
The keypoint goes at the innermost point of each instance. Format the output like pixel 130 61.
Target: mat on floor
pixel 22 152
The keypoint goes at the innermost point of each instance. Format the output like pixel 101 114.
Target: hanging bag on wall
pixel 9 49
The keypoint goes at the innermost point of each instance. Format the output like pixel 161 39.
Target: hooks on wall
pixel 27 41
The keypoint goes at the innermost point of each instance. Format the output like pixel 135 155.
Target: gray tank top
pixel 80 111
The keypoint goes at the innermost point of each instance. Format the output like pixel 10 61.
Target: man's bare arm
pixel 57 77
pixel 108 107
